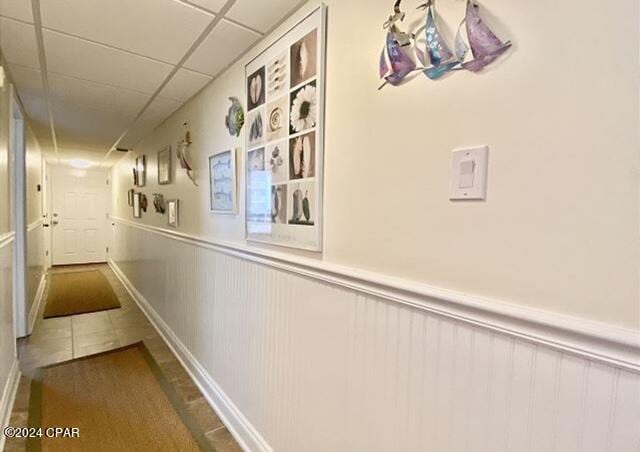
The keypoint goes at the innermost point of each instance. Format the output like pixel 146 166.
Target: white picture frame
pixel 164 165
pixel 173 213
pixel 141 168
pixel 223 183
pixel 284 154
pixel 137 205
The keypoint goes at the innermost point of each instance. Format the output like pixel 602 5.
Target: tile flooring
pixel 65 338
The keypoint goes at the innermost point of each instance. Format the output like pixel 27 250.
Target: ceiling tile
pixel 159 110
pixel 86 129
pixel 81 59
pixel 263 18
pixel 17 9
pixel 225 43
pixel 18 42
pixel 96 96
pixel 161 29
pixel 185 84
pixel 28 81
pixel 212 5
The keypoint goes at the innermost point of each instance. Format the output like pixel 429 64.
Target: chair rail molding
pixel 6 239
pixel 601 342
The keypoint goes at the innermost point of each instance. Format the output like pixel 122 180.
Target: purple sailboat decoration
pixel 441 58
pixel 396 62
pixel 485 46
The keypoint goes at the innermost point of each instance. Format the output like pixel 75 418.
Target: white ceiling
pixel 105 73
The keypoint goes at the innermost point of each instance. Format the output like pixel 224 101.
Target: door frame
pixel 17 149
pixel 52 169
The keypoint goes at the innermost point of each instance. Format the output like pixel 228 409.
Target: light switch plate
pixel 469 173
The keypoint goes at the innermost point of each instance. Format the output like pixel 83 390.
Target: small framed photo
pixel 223 183
pixel 130 197
pixel 137 207
pixel 164 166
pixel 172 212
pixel 141 170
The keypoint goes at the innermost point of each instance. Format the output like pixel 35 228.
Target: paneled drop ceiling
pixel 105 73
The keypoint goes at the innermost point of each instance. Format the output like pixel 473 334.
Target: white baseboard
pixel 8 397
pixel 35 308
pixel 245 434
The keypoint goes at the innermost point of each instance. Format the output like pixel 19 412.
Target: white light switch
pixel 469 173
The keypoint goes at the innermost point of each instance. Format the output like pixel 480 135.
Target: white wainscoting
pixel 9 372
pixel 36 271
pixel 300 357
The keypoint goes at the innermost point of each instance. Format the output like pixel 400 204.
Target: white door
pixel 79 215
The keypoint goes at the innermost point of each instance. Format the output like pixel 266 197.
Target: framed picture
pixel 141 170
pixel 172 212
pixel 222 182
pixel 164 166
pixel 285 137
pixel 137 207
pixel 130 197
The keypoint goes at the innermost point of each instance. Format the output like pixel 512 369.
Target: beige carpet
pixel 79 293
pixel 119 400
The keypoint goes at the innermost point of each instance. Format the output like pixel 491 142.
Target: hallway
pixel 62 339
pixel 320 225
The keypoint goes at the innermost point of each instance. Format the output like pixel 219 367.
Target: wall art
pixel 130 197
pixel 164 166
pixel 172 212
pixel 222 182
pixel 144 203
pixel 183 158
pixel 235 117
pixel 425 49
pixel 137 210
pixel 158 203
pixel 285 137
pixel 135 177
pixel 141 170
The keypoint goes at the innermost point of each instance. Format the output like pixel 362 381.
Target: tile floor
pixel 66 338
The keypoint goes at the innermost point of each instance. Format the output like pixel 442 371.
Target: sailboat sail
pixel 441 58
pixel 395 61
pixel 485 46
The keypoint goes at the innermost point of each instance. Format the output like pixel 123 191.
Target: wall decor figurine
pixel 172 212
pixel 141 170
pixel 484 44
pixel 183 147
pixel 144 203
pixel 158 203
pixel 164 166
pixel 285 138
pixel 476 46
pixel 135 177
pixel 137 210
pixel 222 182
pixel 235 117
pixel 130 197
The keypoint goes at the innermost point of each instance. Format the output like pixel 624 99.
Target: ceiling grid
pixel 95 75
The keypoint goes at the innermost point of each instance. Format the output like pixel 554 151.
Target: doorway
pixel 78 215
pixel 18 214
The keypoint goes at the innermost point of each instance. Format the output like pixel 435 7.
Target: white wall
pixel 312 366
pixel 560 228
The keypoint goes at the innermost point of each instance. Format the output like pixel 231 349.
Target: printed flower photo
pixel 302 155
pixel 255 89
pixel 304 108
pixel 304 58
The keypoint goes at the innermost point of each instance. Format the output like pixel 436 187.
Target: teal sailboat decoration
pixel 441 59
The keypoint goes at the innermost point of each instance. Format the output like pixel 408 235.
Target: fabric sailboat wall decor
pixel 485 46
pixel 396 62
pixel 441 59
